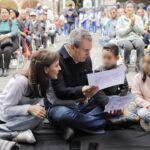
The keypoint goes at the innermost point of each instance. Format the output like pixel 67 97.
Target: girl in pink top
pixel 141 92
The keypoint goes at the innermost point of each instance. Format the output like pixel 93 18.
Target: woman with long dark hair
pixel 20 101
pixel 141 92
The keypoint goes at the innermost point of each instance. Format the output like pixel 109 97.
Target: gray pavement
pixel 95 55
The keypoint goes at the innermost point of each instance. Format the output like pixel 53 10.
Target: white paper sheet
pixel 118 103
pixel 107 78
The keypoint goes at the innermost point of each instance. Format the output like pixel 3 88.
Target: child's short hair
pixel 112 48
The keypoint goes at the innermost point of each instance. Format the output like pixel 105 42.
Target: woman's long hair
pixel 37 79
pixel 144 75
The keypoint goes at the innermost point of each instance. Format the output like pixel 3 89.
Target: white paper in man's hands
pixel 107 78
pixel 118 103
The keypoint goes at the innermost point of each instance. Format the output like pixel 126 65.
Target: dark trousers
pixel 90 120
pixel 52 37
pixel 44 40
pixel 37 43
pixel 128 46
pixel 71 26
pixel 5 55
pixel 147 39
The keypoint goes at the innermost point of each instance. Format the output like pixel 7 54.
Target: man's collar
pixel 64 52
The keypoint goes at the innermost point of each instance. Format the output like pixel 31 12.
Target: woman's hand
pixel 132 21
pixel 148 107
pixel 2 37
pixel 37 111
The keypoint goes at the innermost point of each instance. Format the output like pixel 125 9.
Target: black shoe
pixel 67 134
pixel 137 68
pixel 122 121
pixel 1 72
pixel 6 73
pixel 127 68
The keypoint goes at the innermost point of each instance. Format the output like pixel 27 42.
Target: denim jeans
pixel 10 129
pixel 147 39
pixel 89 120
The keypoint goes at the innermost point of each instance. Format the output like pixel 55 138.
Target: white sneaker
pixel 54 45
pixel 145 125
pixel 25 137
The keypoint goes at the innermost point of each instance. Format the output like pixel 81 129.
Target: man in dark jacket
pixel 71 15
pixel 86 113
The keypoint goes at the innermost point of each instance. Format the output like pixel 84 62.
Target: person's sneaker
pixel 1 72
pixel 6 73
pixel 54 45
pixel 25 137
pixel 127 68
pixel 67 134
pixel 145 125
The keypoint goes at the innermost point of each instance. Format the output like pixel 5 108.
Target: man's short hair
pixel 77 35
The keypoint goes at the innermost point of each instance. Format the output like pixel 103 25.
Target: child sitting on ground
pixel 110 55
pixel 141 93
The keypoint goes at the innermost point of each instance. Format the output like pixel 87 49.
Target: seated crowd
pixel 129 29
pixel 55 84
pixel 21 29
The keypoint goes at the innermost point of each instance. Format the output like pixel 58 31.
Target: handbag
pixel 6 42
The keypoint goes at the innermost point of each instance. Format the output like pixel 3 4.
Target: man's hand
pixel 89 91
pixel 37 111
pixel 69 13
pixel 84 100
pixel 45 35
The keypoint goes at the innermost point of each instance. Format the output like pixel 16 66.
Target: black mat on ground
pixel 127 139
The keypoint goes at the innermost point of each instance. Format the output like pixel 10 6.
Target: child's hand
pixel 148 107
pixel 116 112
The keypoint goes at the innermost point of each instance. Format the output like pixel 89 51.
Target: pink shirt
pixel 141 91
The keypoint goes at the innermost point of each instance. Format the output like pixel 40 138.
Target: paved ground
pixel 95 55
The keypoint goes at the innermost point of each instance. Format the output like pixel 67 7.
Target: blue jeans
pixel 147 39
pixel 10 129
pixel 90 120
pixel 93 27
pixel 65 29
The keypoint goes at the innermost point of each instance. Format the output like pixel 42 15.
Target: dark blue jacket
pixel 71 19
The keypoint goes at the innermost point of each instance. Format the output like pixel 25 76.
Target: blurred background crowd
pixel 40 24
